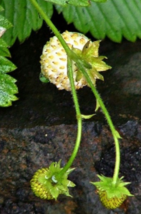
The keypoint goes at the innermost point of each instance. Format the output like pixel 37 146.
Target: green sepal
pixel 90 53
pixel 97 105
pixel 43 79
pixel 113 190
pixel 87 116
pixel 51 182
pixel 93 62
pixel 116 133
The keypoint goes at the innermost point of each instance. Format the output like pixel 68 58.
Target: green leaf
pixel 7 90
pixel 7 83
pixel 73 2
pixel 4 52
pixel 114 19
pixel 4 22
pixel 3 43
pixel 24 18
pixel 3 49
pixel 1 8
pixel 99 0
pixel 6 65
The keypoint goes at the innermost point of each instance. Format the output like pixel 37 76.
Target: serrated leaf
pixel 1 8
pixel 3 43
pixel 6 65
pixel 4 52
pixel 7 83
pixel 113 19
pixel 73 2
pixel 24 17
pixel 7 90
pixel 5 23
pixel 99 0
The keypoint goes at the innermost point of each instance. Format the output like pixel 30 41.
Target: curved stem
pixel 78 115
pixel 110 123
pixel 81 64
pixel 71 55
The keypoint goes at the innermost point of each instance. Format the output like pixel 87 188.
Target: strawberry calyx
pixel 112 195
pixel 47 183
pixel 90 54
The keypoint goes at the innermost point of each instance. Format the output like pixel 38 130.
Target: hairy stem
pixel 78 116
pixel 110 123
pixel 71 55
pixel 81 64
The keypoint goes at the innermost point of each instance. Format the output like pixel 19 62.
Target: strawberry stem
pixel 81 64
pixel 71 56
pixel 78 115
pixel 110 123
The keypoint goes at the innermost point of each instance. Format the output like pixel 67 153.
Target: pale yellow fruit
pixel 54 60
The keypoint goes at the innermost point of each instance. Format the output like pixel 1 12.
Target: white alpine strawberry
pixel 54 60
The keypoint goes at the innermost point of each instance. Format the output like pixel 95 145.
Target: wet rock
pixel 129 75
pixel 24 151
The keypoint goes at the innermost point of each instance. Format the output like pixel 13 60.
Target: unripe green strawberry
pixel 111 203
pixel 54 60
pixel 40 190
pixel 48 183
pixel 112 195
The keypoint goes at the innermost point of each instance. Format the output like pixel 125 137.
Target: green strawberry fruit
pixel 49 183
pixel 37 187
pixel 111 203
pixel 112 195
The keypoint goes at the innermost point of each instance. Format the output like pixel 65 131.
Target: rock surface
pixel 23 151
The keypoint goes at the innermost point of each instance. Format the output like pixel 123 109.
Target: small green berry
pixel 111 203
pixel 49 183
pixel 112 195
pixel 37 187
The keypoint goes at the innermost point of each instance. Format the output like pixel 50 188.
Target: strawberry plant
pixel 71 61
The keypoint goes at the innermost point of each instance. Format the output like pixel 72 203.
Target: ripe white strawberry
pixel 54 60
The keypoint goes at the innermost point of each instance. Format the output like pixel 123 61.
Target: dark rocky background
pixel 41 127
